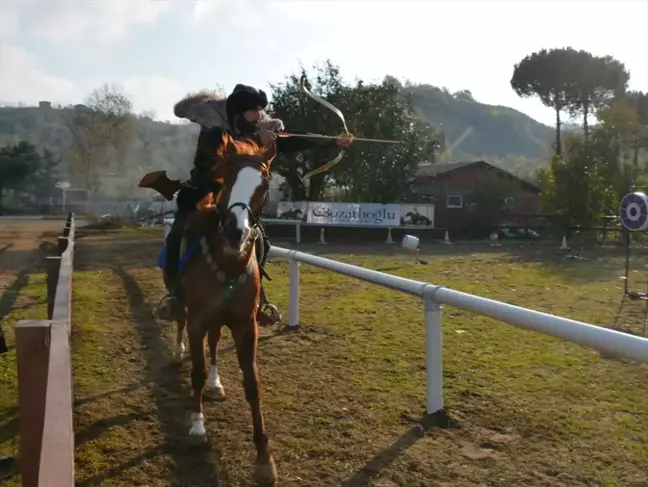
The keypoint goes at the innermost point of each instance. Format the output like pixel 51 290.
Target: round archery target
pixel 633 211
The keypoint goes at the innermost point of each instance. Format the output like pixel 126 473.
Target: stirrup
pixel 270 313
pixel 164 309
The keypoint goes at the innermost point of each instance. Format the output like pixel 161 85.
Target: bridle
pixel 223 213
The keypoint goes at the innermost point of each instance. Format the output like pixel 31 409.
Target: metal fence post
pixel 298 233
pixel 293 305
pixel 433 351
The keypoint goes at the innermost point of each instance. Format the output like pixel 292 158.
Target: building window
pixel 454 201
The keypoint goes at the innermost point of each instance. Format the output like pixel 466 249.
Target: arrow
pixel 318 136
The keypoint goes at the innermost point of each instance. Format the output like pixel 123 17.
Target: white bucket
pixel 410 242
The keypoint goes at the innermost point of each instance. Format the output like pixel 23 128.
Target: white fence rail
pixel 280 221
pixel 601 339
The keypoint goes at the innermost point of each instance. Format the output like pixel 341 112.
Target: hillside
pixel 498 134
pixel 494 131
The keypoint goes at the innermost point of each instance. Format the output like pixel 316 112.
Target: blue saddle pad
pixel 190 248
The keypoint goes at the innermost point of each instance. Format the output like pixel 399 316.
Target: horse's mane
pixel 231 149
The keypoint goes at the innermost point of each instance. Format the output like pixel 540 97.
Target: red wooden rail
pixel 45 378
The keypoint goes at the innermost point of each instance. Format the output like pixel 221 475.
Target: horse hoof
pixel 266 473
pixel 179 353
pixel 197 433
pixel 217 392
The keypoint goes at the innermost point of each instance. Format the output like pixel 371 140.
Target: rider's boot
pixel 264 318
pixel 172 306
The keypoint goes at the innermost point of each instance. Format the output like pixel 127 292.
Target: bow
pixel 334 109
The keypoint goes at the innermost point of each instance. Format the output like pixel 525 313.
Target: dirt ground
pixel 344 399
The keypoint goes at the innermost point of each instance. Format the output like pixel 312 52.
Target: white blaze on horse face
pixel 247 181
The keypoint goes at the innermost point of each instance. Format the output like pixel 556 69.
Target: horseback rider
pixel 242 115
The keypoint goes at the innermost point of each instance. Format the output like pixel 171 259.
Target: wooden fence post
pixel 57 447
pixel 53 267
pixel 32 352
pixel 62 245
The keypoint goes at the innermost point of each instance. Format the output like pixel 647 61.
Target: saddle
pixel 189 244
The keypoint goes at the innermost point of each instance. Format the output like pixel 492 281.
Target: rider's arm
pixel 293 144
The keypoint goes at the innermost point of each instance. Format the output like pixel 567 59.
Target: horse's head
pixel 243 168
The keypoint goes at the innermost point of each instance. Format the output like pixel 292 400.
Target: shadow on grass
pixel 9 430
pixel 190 466
pixel 122 390
pixel 95 430
pixel 117 471
pixel 384 458
pixel 8 301
pixel 10 295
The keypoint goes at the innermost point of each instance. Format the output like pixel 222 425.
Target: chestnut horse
pixel 221 283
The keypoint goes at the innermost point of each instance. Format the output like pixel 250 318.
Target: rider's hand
pixel 267 137
pixel 345 140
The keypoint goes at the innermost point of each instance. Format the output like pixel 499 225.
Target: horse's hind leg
pixel 245 337
pixel 197 434
pixel 213 381
pixel 179 351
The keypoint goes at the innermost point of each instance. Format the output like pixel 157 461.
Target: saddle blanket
pixel 186 250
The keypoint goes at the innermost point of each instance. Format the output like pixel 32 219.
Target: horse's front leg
pixel 196 332
pixel 245 337
pixel 213 380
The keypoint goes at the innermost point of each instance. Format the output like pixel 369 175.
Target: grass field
pixel 344 397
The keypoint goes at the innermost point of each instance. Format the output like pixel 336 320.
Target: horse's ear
pixel 199 221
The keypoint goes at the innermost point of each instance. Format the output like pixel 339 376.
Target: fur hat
pixel 209 109
pixel 245 98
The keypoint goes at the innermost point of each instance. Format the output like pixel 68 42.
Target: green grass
pixel 91 369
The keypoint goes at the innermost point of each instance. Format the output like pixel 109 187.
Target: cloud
pixel 154 93
pixel 70 21
pixel 9 23
pixel 22 80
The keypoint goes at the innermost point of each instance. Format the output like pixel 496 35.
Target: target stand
pixel 633 211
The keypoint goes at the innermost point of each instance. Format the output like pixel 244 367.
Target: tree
pixel 596 82
pixel 371 172
pixel 44 176
pixel 489 203
pixel 638 102
pixel 102 131
pixel 16 164
pixel 595 173
pixel 463 95
pixel 547 75
pixel 574 186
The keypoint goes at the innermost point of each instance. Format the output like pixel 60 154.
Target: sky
pixel 156 51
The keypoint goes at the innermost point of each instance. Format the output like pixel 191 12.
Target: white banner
pixel 356 214
pixel 334 213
